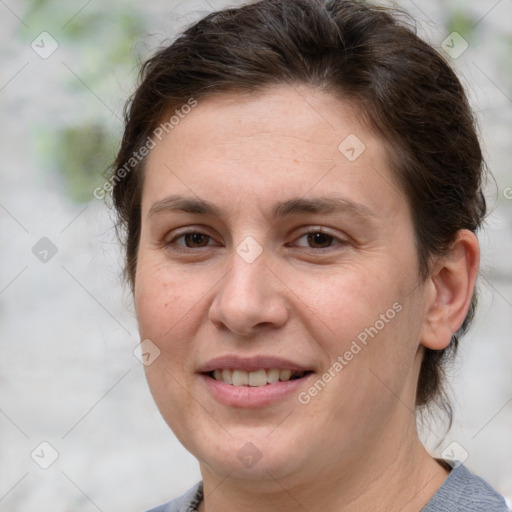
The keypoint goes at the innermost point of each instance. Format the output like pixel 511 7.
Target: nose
pixel 250 298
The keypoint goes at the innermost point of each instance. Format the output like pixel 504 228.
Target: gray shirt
pixel 462 491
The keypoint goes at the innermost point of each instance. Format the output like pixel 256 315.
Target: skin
pixel 354 446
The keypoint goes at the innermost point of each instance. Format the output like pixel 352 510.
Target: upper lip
pixel 250 364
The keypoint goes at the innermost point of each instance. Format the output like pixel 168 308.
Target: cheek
pixel 166 305
pixel 167 313
pixel 154 301
pixel 347 301
pixel 368 316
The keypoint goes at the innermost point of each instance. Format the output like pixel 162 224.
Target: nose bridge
pixel 249 295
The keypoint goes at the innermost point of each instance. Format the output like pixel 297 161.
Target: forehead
pixel 304 116
pixel 285 139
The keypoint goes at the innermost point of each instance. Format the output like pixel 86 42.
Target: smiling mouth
pixel 256 378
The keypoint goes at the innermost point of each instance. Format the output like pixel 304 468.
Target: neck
pixel 400 475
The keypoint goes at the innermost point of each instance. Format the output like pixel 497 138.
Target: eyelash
pixel 172 243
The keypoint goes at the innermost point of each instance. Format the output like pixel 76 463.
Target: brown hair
pixel 362 53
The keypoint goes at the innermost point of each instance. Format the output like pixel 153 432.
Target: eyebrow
pixel 298 205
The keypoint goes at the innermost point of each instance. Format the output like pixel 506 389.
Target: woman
pixel 300 185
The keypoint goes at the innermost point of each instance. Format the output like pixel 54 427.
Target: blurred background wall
pixel 68 374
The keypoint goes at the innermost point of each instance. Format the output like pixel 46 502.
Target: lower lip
pixel 252 397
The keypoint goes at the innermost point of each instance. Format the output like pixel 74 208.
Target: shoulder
pixel 188 502
pixel 463 491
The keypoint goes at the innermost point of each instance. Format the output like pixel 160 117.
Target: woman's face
pixel 303 268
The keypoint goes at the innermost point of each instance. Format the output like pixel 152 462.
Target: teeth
pixel 255 379
pixel 272 375
pixel 240 378
pixel 258 378
pixel 284 375
pixel 227 376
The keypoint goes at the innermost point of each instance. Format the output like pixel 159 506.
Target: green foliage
pixel 462 23
pixel 83 154
pixel 96 43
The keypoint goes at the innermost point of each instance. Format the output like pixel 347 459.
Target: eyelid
pixel 194 230
pixel 313 230
pixel 203 231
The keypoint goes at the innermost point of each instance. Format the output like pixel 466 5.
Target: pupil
pixel 319 239
pixel 195 239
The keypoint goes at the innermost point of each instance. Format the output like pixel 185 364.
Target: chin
pixel 249 457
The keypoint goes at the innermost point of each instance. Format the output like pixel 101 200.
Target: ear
pixel 450 290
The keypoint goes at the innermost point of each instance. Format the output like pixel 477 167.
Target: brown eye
pixel 194 240
pixel 319 240
pixel 189 240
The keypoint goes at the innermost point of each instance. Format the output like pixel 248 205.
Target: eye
pixel 190 240
pixel 315 239
pixel 319 240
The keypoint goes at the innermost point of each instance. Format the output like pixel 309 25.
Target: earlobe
pixel 450 290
